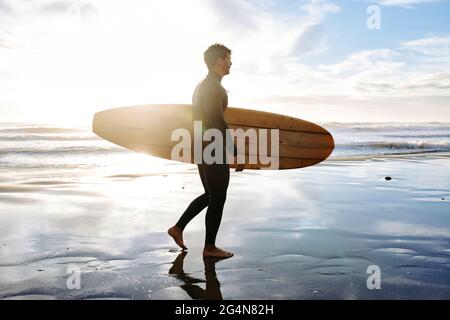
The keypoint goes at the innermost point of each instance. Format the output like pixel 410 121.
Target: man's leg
pixel 194 208
pixel 217 178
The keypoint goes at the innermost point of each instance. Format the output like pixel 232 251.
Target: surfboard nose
pixel 100 124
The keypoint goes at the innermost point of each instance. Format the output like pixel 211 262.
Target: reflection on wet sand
pixel 212 291
pixel 305 235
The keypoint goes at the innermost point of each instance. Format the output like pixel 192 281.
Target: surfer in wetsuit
pixel 209 102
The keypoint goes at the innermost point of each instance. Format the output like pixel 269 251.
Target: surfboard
pixel 148 129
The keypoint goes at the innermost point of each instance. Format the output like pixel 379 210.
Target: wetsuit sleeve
pixel 214 113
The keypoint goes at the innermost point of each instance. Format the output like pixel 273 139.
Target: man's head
pixel 218 58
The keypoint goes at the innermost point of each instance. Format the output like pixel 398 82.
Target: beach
pixel 310 233
pixel 103 104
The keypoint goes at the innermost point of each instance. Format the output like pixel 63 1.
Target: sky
pixel 319 60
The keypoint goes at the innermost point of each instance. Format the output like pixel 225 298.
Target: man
pixel 209 101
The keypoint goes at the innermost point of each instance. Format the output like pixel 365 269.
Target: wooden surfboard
pixel 148 129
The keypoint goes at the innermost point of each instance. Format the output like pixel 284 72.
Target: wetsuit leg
pixel 217 178
pixel 197 205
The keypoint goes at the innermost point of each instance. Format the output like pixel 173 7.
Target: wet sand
pixel 296 234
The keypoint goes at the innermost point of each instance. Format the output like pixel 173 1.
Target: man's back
pixel 209 102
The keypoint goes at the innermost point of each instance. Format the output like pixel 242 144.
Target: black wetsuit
pixel 209 101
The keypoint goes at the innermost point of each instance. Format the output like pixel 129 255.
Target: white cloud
pixel 99 53
pixel 433 46
pixel 269 36
pixel 414 84
pixel 369 85
pixel 402 3
pixel 74 63
pixel 318 9
pixel 330 108
pixel 364 61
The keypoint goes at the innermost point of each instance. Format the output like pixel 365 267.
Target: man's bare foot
pixel 213 251
pixel 177 234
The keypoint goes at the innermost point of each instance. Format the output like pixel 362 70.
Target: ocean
pixel 38 146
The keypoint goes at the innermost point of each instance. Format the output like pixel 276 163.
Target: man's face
pixel 225 64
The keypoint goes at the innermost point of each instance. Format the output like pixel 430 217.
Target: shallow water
pixel 296 234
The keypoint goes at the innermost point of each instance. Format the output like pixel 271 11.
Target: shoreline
pixel 442 154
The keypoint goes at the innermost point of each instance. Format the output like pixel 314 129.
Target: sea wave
pixel 420 136
pixel 35 137
pixel 63 151
pixel 387 127
pixel 39 130
pixel 395 145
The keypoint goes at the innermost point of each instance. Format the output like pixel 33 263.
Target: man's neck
pixel 215 75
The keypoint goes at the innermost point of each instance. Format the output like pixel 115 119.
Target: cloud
pixel 364 61
pixel 402 3
pixel 432 83
pixel 369 83
pixel 312 35
pixel 329 108
pixel 433 46
pixel 69 7
pixel 4 35
pixel 5 7
pixel 310 42
pixel 319 9
pixel 273 37
pixel 235 16
pixel 380 79
pixel 414 69
pixel 351 101
pixel 3 44
pixel 136 59
pixel 30 8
